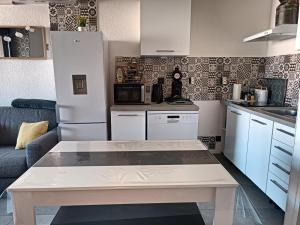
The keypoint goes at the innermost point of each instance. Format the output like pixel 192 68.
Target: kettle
pixel 261 96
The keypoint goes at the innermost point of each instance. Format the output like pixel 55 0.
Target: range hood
pixel 278 33
pixel 23 2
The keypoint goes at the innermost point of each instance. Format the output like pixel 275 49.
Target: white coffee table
pixel 99 173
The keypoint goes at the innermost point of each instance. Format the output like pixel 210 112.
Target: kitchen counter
pixel 288 121
pixel 155 107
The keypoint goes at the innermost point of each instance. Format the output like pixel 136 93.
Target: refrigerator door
pixel 83 132
pixel 78 59
pixel 292 215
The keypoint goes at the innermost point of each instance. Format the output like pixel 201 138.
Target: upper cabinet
pixel 165 27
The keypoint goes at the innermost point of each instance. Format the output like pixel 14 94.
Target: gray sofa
pixel 13 163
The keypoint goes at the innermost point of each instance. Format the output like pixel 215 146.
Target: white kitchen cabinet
pixel 128 125
pixel 165 27
pixel 259 147
pixel 236 140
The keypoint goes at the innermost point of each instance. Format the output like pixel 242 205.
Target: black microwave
pixel 127 94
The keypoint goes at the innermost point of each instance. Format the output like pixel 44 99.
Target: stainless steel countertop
pixel 155 107
pixel 258 111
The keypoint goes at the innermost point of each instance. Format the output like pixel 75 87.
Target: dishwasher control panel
pixel 172 117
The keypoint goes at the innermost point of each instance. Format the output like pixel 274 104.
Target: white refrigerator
pixel 80 80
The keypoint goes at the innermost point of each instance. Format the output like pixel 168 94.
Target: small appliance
pixel 132 94
pixel 158 92
pixel 261 96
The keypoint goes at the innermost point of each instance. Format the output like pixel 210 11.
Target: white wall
pixel 212 120
pixel 219 26
pixel 120 22
pixel 25 78
pixel 280 47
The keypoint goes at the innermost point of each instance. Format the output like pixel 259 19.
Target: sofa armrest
pixel 39 147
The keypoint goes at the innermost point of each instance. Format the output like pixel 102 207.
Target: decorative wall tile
pixel 209 141
pixel 206 71
pixel 286 67
pixel 64 16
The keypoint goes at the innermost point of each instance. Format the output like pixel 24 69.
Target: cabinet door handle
pixel 239 114
pixel 257 121
pixel 286 132
pixel 279 186
pixel 281 168
pixel 165 50
pixel 131 115
pixel 283 150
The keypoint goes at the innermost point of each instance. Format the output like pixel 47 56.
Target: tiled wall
pixel 207 73
pixel 287 67
pixel 64 16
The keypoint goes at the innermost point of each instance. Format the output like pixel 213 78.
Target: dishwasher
pixel 172 125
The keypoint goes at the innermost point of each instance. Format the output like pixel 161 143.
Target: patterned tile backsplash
pixel 64 16
pixel 208 72
pixel 286 67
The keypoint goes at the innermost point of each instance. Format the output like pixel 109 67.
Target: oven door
pixel 129 94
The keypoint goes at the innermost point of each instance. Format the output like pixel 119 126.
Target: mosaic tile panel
pixel 286 67
pixel 64 16
pixel 207 73
pixel 209 141
pixel 20 46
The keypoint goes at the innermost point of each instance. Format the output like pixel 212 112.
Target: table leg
pixel 224 207
pixel 23 209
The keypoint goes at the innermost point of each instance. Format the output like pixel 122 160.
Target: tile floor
pixel 268 213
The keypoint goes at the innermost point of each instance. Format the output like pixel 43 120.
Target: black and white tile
pixel 64 16
pixel 286 67
pixel 206 72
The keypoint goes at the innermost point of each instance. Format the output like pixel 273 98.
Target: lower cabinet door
pixel 277 190
pixel 236 141
pixel 259 147
pixel 128 126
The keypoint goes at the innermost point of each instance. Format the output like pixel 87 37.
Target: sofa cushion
pixel 12 162
pixel 12 118
pixel 33 103
pixel 29 132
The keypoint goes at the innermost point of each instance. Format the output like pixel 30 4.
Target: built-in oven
pixel 132 94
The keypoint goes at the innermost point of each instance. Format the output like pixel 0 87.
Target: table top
pixel 125 165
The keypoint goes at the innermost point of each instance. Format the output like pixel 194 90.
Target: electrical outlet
pixel 192 80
